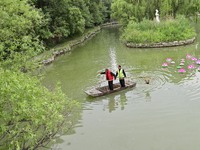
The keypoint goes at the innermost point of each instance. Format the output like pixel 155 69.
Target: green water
pixel 162 115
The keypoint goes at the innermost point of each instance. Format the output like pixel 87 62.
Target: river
pixel 162 115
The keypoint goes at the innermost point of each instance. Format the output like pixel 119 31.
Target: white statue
pixel 157 16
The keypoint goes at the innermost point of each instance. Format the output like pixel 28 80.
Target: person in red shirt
pixel 110 76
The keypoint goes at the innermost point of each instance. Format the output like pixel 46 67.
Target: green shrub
pixel 30 114
pixel 149 31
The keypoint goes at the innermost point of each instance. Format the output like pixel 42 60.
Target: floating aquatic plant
pixel 183 62
pixel 182 70
pixel 178 67
pixel 198 69
pixel 194 58
pixel 168 59
pixel 164 64
pixel 188 56
pixel 198 62
pixel 191 66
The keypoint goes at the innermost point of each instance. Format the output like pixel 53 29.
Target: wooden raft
pixel 104 90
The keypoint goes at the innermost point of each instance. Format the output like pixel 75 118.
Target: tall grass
pixel 149 31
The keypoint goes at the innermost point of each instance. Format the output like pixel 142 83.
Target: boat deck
pixel 104 90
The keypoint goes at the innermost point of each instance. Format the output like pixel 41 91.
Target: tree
pixel 30 114
pixel 128 10
pixel 66 18
pixel 18 21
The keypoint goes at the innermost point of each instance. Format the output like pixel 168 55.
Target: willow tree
pixel 193 9
pixel 128 10
pixel 173 7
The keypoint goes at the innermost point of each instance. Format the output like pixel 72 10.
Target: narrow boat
pixel 103 90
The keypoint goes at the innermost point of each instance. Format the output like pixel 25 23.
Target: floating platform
pixel 104 90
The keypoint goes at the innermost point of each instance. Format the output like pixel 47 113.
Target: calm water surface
pixel 164 115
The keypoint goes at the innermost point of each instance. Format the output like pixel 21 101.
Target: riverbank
pixel 160 44
pixel 49 56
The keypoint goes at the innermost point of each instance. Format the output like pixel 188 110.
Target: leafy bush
pixel 30 114
pixel 149 31
pixel 18 38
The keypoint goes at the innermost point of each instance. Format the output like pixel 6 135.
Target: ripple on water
pixel 192 87
pixel 156 81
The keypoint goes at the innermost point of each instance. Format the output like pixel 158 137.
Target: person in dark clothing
pixel 121 75
pixel 109 76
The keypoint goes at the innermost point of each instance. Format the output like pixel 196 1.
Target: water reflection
pixel 113 59
pixel 148 96
pixel 114 102
pixel 111 105
pixel 123 101
pixel 119 101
